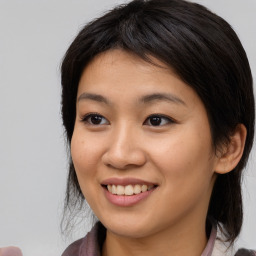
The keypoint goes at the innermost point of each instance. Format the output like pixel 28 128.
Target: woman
pixel 158 107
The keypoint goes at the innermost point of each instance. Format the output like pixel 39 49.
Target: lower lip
pixel 127 200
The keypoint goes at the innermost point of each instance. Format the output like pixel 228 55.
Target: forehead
pixel 126 64
pixel 126 61
pixel 123 73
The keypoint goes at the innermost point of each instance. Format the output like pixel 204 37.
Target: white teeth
pixel 150 187
pixel 137 189
pixel 113 190
pixel 120 190
pixel 129 189
pixel 144 188
pixel 109 188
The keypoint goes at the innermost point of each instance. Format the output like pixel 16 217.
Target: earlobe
pixel 233 151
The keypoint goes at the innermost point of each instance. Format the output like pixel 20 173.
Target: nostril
pixel 123 158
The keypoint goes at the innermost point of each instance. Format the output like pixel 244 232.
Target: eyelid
pixel 168 118
pixel 85 118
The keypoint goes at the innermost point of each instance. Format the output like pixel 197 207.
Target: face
pixel 141 146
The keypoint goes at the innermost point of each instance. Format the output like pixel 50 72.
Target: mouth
pixel 128 190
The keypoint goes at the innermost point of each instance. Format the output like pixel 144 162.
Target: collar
pixel 216 245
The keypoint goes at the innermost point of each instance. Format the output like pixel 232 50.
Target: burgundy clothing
pixel 92 243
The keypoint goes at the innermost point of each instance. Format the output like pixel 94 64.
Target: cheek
pixel 186 169
pixel 85 159
pixel 185 159
pixel 84 154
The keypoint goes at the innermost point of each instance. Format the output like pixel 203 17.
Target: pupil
pixel 155 120
pixel 96 119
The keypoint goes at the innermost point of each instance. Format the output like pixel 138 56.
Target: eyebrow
pixel 162 97
pixel 94 97
pixel 144 99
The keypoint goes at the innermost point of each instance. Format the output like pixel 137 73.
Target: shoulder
pixel 221 247
pixel 73 249
pixel 245 252
pixel 89 245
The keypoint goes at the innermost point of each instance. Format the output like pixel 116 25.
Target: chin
pixel 130 229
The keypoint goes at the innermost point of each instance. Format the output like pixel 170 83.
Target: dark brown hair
pixel 203 50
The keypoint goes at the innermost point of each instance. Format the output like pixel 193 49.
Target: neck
pixel 179 241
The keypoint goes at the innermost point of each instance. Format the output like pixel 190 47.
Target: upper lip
pixel 125 181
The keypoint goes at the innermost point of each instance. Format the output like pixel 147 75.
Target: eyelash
pixel 156 117
pixel 87 117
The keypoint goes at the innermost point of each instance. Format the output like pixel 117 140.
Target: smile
pixel 128 190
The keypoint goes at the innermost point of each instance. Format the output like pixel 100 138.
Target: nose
pixel 125 150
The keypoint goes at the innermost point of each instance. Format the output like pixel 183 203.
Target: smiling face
pixel 142 147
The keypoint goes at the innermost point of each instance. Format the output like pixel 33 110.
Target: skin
pixel 10 251
pixel 176 155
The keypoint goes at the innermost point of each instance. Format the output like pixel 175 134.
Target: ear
pixel 232 153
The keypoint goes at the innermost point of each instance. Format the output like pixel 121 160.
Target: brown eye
pixel 95 119
pixel 157 120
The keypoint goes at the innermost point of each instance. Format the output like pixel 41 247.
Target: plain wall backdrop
pixel 33 38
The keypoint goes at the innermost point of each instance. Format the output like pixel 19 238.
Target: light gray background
pixel 33 38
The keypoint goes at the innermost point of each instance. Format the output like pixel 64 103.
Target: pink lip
pixel 123 200
pixel 126 201
pixel 125 181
